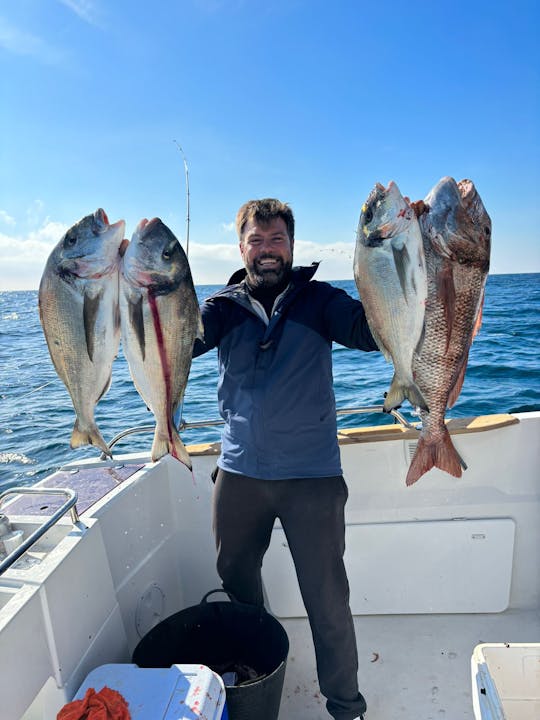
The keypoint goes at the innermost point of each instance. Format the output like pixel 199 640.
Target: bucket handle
pixel 220 590
pixel 260 609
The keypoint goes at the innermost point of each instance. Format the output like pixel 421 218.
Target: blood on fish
pixel 164 364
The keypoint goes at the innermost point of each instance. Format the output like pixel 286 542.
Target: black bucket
pixel 225 636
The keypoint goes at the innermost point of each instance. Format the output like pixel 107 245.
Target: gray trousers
pixel 311 511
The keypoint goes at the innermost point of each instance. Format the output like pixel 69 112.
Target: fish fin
pixel 171 443
pixel 456 390
pixel 446 292
pixel 439 246
pixel 105 387
pixel 441 454
pixel 402 261
pixel 398 392
pixel 136 321
pixel 89 435
pixel 90 311
pixel 381 345
pixel 200 329
pixel 419 344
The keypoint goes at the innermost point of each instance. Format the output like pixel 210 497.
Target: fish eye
pixel 368 215
pixel 487 231
pixel 168 252
pixel 70 240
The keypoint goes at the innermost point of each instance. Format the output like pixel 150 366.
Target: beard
pixel 260 277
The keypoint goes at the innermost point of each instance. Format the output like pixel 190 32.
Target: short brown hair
pixel 264 211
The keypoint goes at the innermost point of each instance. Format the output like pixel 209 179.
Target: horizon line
pixel 328 281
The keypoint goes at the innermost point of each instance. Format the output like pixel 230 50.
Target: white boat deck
pixel 415 667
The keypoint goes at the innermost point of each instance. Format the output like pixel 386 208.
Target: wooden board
pixel 396 431
pixel 456 426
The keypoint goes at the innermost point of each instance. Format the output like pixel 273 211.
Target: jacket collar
pixel 238 293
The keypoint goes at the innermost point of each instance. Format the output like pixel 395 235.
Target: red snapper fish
pixel 78 309
pixel 456 232
pixel 160 320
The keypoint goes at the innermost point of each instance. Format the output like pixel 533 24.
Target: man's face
pixel 266 250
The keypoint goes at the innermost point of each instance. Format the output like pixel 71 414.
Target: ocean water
pixel 36 415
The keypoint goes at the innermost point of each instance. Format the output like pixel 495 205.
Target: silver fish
pixel 390 274
pixel 78 308
pixel 160 320
pixel 456 232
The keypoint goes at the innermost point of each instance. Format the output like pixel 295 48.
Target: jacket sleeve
pixel 346 321
pixel 212 324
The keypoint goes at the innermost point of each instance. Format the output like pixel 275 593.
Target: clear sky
pixel 310 101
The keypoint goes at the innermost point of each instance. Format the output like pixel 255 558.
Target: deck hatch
pixel 435 566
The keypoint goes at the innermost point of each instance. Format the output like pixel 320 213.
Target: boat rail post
pixel 69 504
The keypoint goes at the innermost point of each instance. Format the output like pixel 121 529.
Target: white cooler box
pixel 180 692
pixel 506 681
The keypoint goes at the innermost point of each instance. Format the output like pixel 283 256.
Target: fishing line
pixel 38 388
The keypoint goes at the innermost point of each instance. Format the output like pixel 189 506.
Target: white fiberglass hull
pixel 434 569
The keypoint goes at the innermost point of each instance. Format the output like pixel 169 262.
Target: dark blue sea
pixel 36 415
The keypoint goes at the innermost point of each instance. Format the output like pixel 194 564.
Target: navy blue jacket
pixel 275 388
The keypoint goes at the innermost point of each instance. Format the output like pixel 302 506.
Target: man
pixel 274 327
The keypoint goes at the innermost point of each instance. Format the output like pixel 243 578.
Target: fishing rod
pixel 178 416
pixel 186 172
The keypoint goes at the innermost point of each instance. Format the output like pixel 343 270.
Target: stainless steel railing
pixel 215 423
pixel 68 505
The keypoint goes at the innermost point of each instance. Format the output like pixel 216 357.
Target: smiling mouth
pixel 268 263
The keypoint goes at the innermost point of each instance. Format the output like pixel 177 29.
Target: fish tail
pixel 398 392
pixel 170 442
pixel 415 397
pixel 441 454
pixel 89 435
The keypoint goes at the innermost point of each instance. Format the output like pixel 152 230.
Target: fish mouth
pixel 101 217
pixel 380 190
pixel 379 194
pixel 118 225
pixel 142 224
pixel 146 226
pixel 102 221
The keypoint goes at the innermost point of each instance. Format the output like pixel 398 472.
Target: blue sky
pixel 309 101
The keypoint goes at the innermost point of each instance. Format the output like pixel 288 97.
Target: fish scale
pixel 456 234
pixel 390 274
pixel 160 320
pixel 78 307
